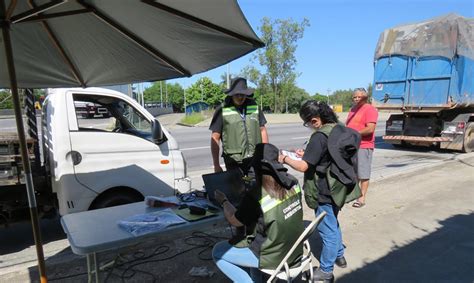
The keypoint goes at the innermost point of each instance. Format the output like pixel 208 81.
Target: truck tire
pixel 116 197
pixel 468 144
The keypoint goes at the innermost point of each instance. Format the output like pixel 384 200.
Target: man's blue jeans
pixel 331 235
pixel 232 261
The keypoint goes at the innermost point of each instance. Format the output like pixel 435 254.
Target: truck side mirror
pixel 157 132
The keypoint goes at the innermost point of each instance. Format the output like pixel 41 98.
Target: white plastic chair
pixel 306 261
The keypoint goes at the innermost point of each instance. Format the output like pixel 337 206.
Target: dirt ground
pixel 416 227
pixel 147 262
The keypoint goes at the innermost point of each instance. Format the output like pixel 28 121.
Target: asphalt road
pixel 195 142
pixel 388 160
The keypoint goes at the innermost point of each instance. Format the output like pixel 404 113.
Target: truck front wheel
pixel 468 145
pixel 116 197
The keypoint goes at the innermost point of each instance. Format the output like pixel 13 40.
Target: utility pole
pixel 161 95
pixel 228 75
pixel 166 92
pixel 184 98
pixel 329 91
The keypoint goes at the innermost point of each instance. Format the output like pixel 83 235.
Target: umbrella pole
pixel 24 153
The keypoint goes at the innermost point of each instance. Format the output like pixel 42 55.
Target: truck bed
pixel 425 83
pixel 10 158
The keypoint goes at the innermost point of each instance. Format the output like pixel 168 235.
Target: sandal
pixel 358 204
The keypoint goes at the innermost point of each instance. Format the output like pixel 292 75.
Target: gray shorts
pixel 364 162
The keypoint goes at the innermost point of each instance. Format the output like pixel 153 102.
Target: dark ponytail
pixel 313 108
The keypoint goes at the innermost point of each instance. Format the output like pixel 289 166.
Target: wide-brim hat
pixel 239 86
pixel 265 161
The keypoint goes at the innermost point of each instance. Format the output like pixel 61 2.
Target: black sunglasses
pixel 360 89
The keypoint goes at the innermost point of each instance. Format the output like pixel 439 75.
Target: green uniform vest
pixel 240 134
pixel 340 193
pixel 283 224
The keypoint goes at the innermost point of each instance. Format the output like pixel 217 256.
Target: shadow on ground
pixel 19 236
pixel 444 255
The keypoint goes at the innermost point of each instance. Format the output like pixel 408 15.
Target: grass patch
pixel 193 119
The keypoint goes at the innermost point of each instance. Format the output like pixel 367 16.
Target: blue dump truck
pixel 426 70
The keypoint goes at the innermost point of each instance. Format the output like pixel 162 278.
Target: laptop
pixel 228 182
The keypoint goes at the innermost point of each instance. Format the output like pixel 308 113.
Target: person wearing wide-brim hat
pixel 240 125
pixel 274 209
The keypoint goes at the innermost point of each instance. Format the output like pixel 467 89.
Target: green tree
pixel 175 94
pixel 298 97
pixel 369 91
pixel 205 90
pixel 5 99
pixel 278 58
pixel 153 93
pixel 343 97
pixel 176 97
pixel 319 97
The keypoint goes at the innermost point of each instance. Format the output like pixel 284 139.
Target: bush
pixel 193 119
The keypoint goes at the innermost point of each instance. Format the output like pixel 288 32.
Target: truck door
pixel 118 152
pixel 430 81
pixel 390 80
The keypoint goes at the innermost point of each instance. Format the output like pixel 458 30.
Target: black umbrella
pixel 60 43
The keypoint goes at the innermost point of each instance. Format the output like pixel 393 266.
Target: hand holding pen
pixel 300 152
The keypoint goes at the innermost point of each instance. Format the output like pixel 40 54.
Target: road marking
pixel 192 148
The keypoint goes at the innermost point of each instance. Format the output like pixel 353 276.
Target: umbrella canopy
pixel 60 43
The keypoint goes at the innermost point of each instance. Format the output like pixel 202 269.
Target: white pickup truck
pixel 89 165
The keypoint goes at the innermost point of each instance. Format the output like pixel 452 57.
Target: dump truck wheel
pixel 468 144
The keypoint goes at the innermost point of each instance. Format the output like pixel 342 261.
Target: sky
pixel 337 49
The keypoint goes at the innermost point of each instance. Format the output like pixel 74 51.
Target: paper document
pixel 290 154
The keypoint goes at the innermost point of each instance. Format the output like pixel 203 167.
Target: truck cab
pixel 95 163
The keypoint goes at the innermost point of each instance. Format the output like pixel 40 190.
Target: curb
pixel 186 125
pixel 417 168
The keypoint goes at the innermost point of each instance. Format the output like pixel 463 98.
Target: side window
pixel 93 116
pixel 101 113
pixel 134 118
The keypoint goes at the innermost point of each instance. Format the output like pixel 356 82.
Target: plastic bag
pixel 150 222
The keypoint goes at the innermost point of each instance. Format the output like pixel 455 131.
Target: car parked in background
pixel 90 110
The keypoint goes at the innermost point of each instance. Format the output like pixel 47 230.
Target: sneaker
pixel 321 276
pixel 341 262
